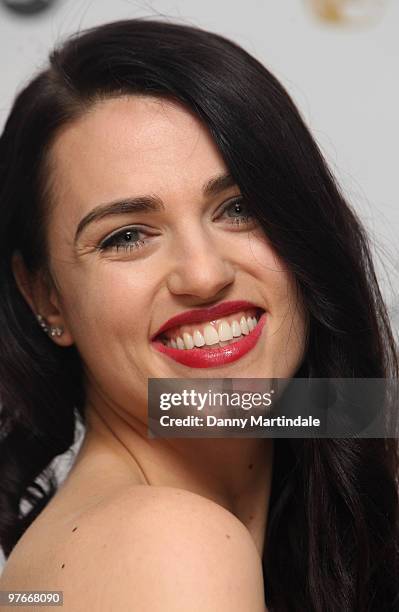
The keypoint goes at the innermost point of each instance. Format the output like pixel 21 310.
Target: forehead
pixel 133 142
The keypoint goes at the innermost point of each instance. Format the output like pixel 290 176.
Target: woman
pixel 154 170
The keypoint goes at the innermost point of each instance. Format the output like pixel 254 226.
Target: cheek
pixel 109 318
pixel 264 263
pixel 286 328
pixel 111 302
pixel 288 333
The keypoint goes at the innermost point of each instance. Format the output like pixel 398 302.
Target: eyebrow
pixel 148 203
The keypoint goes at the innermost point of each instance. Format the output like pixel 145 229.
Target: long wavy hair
pixel 332 535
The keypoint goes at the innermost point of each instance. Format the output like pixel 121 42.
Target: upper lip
pixel 205 314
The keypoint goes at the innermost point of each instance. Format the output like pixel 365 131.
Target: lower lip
pixel 209 357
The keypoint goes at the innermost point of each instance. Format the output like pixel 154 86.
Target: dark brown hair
pixel 332 534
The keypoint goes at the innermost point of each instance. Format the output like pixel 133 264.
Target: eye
pixel 126 239
pixel 240 212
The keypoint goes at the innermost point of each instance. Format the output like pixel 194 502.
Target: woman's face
pixel 114 295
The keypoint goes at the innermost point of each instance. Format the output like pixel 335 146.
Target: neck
pixel 233 472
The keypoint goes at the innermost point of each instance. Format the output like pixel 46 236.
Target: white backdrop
pixel 344 80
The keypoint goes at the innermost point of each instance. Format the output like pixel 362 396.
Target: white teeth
pixel 244 326
pixel 180 343
pixel 188 341
pixel 224 331
pixel 224 335
pixel 198 338
pixel 210 335
pixel 251 322
pixel 236 329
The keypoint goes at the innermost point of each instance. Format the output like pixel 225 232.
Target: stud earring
pixel 50 331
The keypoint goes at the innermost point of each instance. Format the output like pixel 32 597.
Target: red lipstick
pixel 204 314
pixel 212 357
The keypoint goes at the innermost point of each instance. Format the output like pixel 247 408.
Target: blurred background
pixel 337 58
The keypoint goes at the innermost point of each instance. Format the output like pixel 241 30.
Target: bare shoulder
pixel 158 548
pixel 169 549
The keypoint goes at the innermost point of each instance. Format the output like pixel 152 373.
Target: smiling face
pixel 172 244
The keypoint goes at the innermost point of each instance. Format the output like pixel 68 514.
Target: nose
pixel 200 268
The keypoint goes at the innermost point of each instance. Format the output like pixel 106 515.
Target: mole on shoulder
pixel 74 529
pixel 228 536
pixel 251 465
pixel 63 565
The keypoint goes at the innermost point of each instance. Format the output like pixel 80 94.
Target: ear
pixel 42 297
